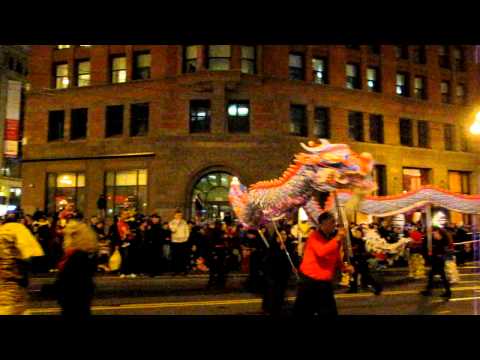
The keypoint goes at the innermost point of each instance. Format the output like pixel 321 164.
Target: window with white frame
pixel 83 73
pixel 353 76
pixel 62 80
pixel 461 94
pixel 248 60
pixel 296 67
pixel 219 57
pixel 119 69
pixel 319 68
pixel 373 82
pixel 190 58
pixel 419 87
pixel 402 84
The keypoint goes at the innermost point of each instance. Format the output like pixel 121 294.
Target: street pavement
pixel 187 295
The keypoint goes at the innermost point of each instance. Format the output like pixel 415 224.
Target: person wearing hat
pixel 322 257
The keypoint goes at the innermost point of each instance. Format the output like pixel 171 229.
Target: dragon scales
pixel 323 168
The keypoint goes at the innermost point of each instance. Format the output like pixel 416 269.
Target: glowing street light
pixel 475 128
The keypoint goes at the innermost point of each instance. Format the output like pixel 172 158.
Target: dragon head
pixel 336 166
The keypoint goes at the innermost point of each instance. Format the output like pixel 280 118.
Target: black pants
pixel 438 267
pixel 180 256
pixel 315 298
pixel 274 295
pixel 217 269
pixel 361 268
pixel 126 265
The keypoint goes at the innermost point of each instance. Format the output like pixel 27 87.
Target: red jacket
pixel 321 257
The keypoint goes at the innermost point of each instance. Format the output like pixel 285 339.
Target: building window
pixel 199 116
pixel 406 133
pixel 419 54
pixel 298 120
pixel 119 69
pixel 61 76
pixel 238 116
pixel 61 47
pixel 142 64
pixel 459 182
pixel 443 58
pixel 210 196
pixel 459 58
pixel 296 68
pixel 448 132
pixel 65 189
pixel 56 121
pixel 85 45
pixel 83 73
pixel 445 90
pixel 219 57
pixel 353 76
pixel 124 189
pixel 423 134
pixel 320 74
pixel 353 47
pixel 402 84
pixel 114 121
pixel 374 49
pixel 463 140
pixel 321 126
pixel 190 58
pixel 79 120
pixel 414 178
pixel 380 176
pixel 248 60
pixel 401 52
pixel 139 114
pixel 461 96
pixel 419 88
pixel 355 125
pixel 376 128
pixel 372 79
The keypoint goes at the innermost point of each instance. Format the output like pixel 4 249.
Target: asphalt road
pixel 186 295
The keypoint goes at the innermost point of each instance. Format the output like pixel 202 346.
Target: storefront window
pixel 127 188
pixel 63 189
pixel 210 196
pixel 413 178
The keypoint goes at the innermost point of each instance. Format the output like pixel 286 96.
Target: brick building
pixel 13 71
pixel 163 127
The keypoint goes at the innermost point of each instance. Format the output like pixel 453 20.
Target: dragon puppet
pixel 322 168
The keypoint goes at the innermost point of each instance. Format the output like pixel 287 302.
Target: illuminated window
pixel 414 178
pixel 85 45
pixel 445 90
pixel 319 68
pixel 61 47
pixel 78 127
pixel 238 116
pixel 119 69
pixel 248 60
pixel 56 121
pixel 126 188
pixel 210 196
pixel 219 57
pixel 419 88
pixel 298 120
pixel 321 125
pixel 461 94
pixel 296 67
pixel 423 134
pixel 402 84
pixel 190 58
pixel 61 76
pixel 372 79
pixel 448 132
pixel 199 116
pixel 353 76
pixel 355 125
pixel 142 64
pixel 139 114
pixel 459 181
pixel 83 73
pixel 114 120
pixel 376 128
pixel 64 189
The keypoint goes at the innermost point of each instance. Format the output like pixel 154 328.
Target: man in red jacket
pixel 317 271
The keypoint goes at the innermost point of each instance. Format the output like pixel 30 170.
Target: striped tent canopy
pixel 382 206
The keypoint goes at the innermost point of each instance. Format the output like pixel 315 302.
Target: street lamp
pixel 475 128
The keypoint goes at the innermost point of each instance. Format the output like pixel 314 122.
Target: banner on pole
pixel 12 121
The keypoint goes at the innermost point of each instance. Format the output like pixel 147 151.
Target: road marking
pixel 466 298
pixel 56 310
pixel 444 312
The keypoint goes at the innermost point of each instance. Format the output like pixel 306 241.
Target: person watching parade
pixel 322 257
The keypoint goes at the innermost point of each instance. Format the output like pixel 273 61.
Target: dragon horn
pixel 312 147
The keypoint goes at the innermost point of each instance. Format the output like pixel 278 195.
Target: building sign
pixel 12 121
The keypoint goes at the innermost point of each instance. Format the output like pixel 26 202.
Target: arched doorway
pixel 210 196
